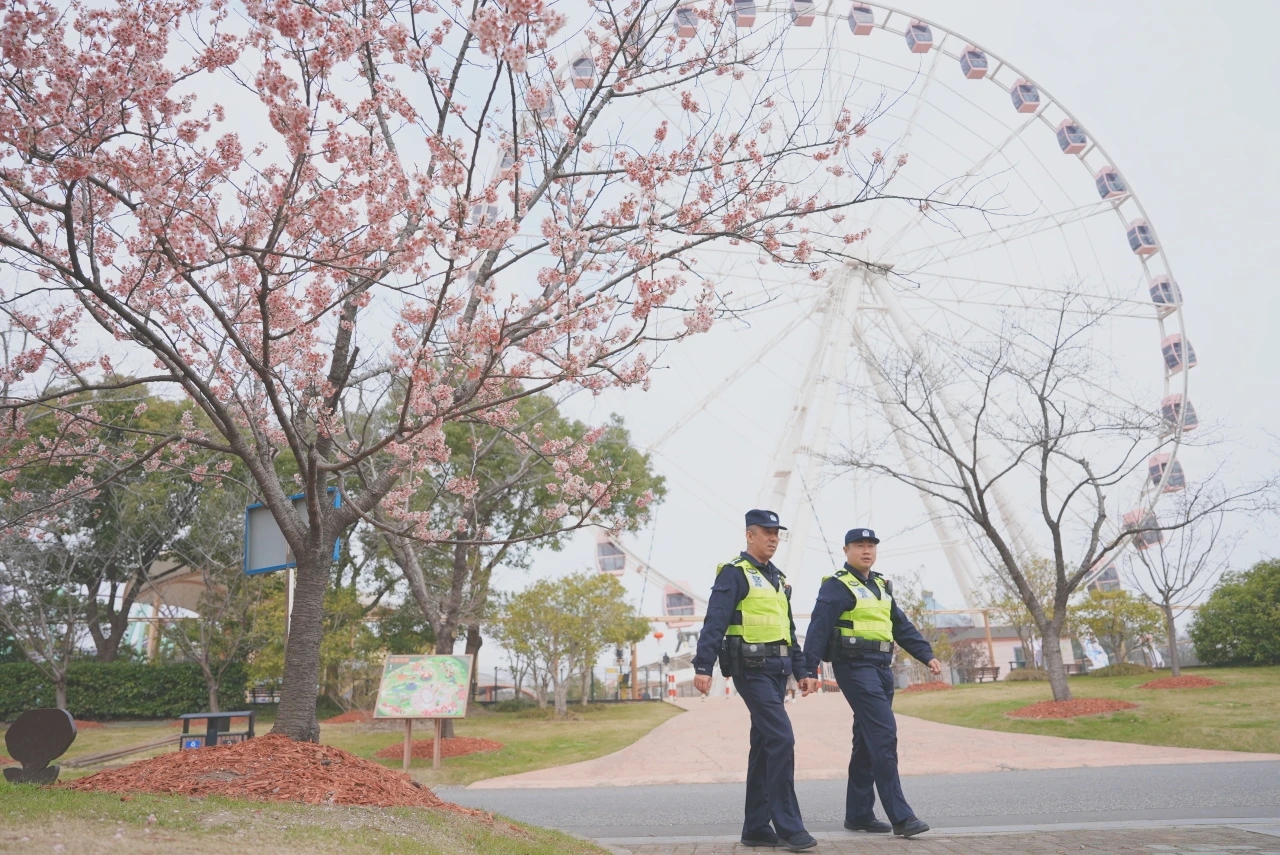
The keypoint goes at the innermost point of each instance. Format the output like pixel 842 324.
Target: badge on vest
pixel 756 579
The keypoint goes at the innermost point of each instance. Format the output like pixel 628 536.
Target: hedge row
pixel 98 690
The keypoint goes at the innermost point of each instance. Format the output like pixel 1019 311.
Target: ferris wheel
pixel 1057 217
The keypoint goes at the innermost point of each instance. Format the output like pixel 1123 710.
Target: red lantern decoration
pixel 658 635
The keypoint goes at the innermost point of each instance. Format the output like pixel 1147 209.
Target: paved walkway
pixel 1147 841
pixel 708 744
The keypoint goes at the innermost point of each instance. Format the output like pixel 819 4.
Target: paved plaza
pixel 708 744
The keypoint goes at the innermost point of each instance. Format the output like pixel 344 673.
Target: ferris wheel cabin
pixel 1025 96
pixel 1178 354
pixel 744 13
pixel 803 12
pixel 861 20
pixel 1165 294
pixel 1110 184
pixel 686 22
pixel 583 73
pixel 973 63
pixel 1173 482
pixel 919 37
pixel 1142 240
pixel 1143 519
pixel 1071 139
pixel 1173 409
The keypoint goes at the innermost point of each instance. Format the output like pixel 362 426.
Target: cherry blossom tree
pixel 289 213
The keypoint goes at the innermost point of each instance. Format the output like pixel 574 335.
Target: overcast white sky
pixel 1178 93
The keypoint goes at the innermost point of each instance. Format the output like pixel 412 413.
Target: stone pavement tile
pixel 1129 841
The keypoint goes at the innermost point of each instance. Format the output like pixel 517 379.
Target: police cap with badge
pixel 764 519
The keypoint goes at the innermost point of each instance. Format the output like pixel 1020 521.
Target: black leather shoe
pixel 760 838
pixel 800 841
pixel 911 827
pixel 872 826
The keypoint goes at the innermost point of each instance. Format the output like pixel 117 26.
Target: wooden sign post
pixel 435 745
pixel 408 742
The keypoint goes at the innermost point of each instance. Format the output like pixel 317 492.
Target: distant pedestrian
pixel 855 624
pixel 749 629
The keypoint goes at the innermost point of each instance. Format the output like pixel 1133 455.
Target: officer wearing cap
pixel 855 625
pixel 749 629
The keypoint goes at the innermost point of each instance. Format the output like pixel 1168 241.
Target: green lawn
pixel 1240 716
pixel 44 820
pixel 530 741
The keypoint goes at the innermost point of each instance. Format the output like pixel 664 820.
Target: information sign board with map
pixel 424 686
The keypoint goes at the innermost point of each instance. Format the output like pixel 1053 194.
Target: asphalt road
pixel 995 799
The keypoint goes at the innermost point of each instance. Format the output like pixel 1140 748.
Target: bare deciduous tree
pixel 1020 421
pixel 43 606
pixel 1183 565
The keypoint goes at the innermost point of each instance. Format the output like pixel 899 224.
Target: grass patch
pixel 1121 669
pixel 1240 716
pixel 35 819
pixel 532 739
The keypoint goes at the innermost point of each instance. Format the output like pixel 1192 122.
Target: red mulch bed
pixel 453 746
pixel 1072 708
pixel 1182 683
pixel 926 687
pixel 269 768
pixel 351 717
pixel 85 725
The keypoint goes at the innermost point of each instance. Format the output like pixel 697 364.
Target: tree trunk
pixel 445 640
pixel 1172 632
pixel 296 715
pixel 1051 650
pixel 560 686
pixel 211 684
pixel 474 642
pixel 60 693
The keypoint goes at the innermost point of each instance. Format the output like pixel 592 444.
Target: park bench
pixel 980 674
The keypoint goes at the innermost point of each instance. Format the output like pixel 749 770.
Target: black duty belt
pixel 761 651
pixel 849 644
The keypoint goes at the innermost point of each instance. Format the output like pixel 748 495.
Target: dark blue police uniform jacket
pixel 867 684
pixel 771 795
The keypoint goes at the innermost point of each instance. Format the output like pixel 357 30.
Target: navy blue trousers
pixel 771 791
pixel 868 687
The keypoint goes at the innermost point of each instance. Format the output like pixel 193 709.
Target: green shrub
pixel 105 690
pixel 1028 675
pixel 1240 624
pixel 514 705
pixel 1121 669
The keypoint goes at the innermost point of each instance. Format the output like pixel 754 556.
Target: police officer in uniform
pixel 750 630
pixel 855 625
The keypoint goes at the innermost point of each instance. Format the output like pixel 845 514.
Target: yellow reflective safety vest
pixel 870 618
pixel 764 615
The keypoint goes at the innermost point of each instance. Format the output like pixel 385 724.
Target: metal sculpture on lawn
pixel 37 738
